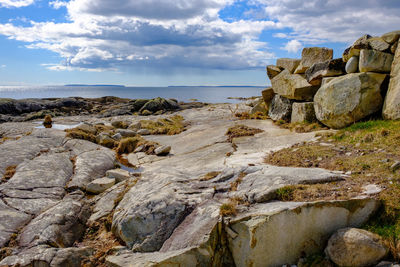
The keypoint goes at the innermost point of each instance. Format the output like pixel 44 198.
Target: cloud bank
pixel 163 35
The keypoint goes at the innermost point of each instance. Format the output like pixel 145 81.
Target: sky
pixel 174 42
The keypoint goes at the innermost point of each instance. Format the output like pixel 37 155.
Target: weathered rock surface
pixel 45 255
pixel 268 94
pixel 261 183
pixel 10 221
pixel 293 86
pixel 391 37
pixel 295 228
pixel 355 247
pixel 303 112
pixel 150 211
pixel 28 147
pixel 105 203
pixel 280 109
pixel 59 226
pixel 328 68
pixel 311 56
pixel 352 65
pixel 378 44
pixel 391 107
pixel 162 150
pixel 289 64
pixel 375 61
pixel 354 50
pixel 349 98
pixel 119 174
pixel 272 71
pixel 100 185
pixel 91 165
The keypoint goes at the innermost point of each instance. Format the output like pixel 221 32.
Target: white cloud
pixel 57 4
pixel 15 3
pixel 122 34
pixel 318 21
pixel 293 46
pixel 3 66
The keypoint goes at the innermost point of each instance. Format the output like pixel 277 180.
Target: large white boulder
pixel 293 86
pixel 391 107
pixel 347 99
pixel 355 247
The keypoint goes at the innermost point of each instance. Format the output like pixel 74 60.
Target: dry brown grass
pixel 237 182
pixel 241 130
pixel 170 126
pixel 9 173
pixel 247 116
pixel 209 176
pixel 301 127
pixel 79 134
pixel 129 144
pixel 229 208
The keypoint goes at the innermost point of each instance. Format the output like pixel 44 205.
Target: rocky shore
pixel 119 182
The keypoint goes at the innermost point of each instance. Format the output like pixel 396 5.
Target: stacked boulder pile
pixel 337 92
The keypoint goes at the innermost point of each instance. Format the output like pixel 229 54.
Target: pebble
pixel 162 150
pixel 143 132
pixel 395 166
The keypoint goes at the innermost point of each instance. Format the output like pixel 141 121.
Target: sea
pixel 208 94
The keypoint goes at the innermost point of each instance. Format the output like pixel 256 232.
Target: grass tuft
pixel 10 171
pixel 285 193
pixel 170 126
pixel 229 209
pixel 241 130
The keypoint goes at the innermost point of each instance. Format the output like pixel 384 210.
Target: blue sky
pixel 180 42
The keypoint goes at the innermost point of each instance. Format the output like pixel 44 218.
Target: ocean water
pixel 181 93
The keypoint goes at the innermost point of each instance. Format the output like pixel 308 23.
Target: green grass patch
pixel 285 193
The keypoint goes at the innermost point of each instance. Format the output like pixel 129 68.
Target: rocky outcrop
pixel 347 99
pixel 328 68
pixel 311 56
pixel 391 107
pixel 280 109
pixel 293 86
pixel 295 228
pixel 100 185
pixel 272 71
pixel 355 247
pixel 290 64
pixel 375 61
pixel 30 109
pixel 45 255
pixel 303 112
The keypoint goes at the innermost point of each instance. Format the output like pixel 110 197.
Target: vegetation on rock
pixel 170 126
pixel 241 130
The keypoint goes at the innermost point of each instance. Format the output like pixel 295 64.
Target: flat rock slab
pixel 100 185
pixel 91 165
pixel 31 206
pixel 10 221
pixel 28 147
pixel 261 185
pixel 48 170
pixel 60 225
pixel 45 255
